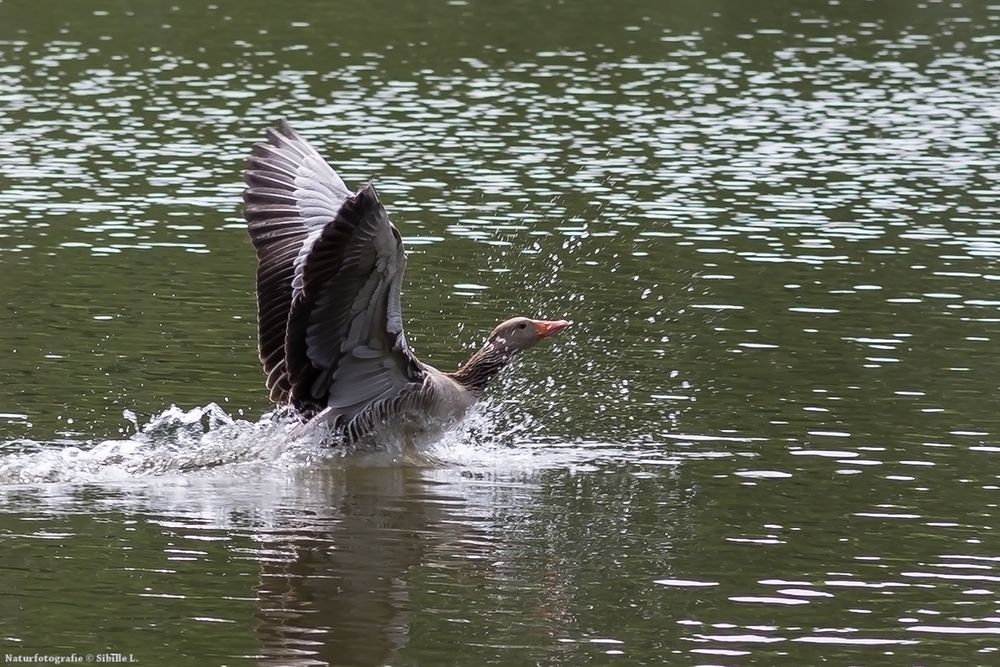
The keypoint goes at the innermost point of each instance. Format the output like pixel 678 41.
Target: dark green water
pixel 769 437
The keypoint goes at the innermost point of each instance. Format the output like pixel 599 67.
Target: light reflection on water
pixel 768 435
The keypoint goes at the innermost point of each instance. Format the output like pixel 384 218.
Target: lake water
pixel 770 436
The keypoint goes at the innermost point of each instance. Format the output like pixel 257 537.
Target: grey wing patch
pixel 291 195
pixel 411 401
pixel 345 346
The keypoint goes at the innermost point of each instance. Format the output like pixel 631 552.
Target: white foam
pixel 208 441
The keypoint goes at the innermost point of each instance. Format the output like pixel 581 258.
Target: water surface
pixel 769 437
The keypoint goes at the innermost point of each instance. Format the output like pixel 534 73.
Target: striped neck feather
pixel 482 367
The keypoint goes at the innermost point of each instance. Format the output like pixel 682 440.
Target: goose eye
pixel 522 325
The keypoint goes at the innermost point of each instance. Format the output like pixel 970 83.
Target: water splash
pixel 174 441
pixel 209 441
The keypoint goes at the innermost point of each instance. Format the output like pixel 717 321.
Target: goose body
pixel 330 327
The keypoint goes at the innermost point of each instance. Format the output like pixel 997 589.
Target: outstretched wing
pixel 346 348
pixel 329 277
pixel 291 195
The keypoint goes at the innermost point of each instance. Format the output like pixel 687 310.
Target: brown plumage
pixel 330 328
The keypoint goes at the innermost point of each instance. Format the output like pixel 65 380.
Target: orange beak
pixel 546 328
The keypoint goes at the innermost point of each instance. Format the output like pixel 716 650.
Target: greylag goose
pixel 329 320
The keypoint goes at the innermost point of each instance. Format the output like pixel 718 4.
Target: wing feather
pixel 354 352
pixel 329 275
pixel 277 180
